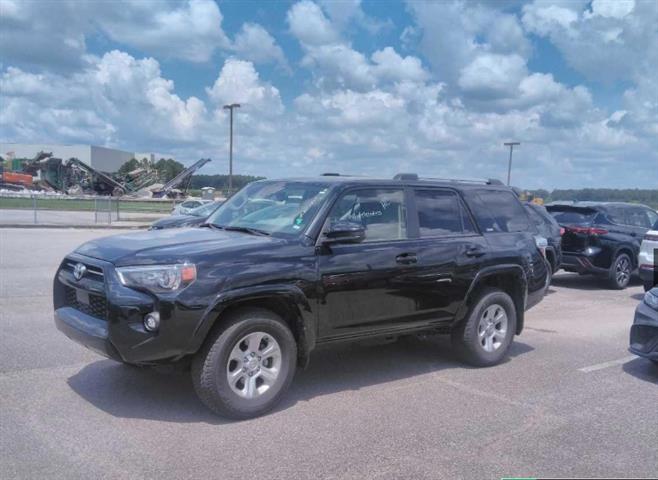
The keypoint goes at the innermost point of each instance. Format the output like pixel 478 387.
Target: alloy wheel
pixel 623 271
pixel 492 328
pixel 254 365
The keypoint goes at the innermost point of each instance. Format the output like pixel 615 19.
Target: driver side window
pixel 381 211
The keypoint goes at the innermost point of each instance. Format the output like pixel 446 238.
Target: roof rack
pixel 406 176
pixel 331 174
pixel 414 176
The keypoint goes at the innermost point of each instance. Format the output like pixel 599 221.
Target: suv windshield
pixel 275 208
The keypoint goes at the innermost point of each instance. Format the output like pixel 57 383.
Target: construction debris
pixel 74 177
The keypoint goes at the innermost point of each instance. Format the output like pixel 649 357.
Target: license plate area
pixel 82 297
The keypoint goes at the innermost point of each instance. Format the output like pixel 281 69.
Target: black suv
pixel 603 238
pixel 548 228
pixel 286 265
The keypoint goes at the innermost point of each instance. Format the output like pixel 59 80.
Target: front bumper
pixel 101 314
pixel 644 332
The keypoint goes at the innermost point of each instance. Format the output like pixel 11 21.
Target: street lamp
pixel 509 167
pixel 230 147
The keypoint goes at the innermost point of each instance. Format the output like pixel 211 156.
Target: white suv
pixel 647 261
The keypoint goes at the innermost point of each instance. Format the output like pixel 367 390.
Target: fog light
pixel 152 321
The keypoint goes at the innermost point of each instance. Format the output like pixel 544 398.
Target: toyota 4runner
pixel 286 265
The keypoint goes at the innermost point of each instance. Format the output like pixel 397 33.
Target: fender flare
pixel 508 268
pixel 291 294
pixel 635 252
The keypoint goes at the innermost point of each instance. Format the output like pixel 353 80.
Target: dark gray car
pixel 644 332
pixel 194 218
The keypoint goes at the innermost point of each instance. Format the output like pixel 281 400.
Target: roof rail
pixel 489 181
pixel 331 174
pixel 406 176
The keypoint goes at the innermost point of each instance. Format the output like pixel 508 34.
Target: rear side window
pixel 441 213
pixel 617 215
pixel 501 211
pixel 638 218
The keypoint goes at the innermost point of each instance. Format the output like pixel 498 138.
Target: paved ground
pixel 77 218
pixel 403 410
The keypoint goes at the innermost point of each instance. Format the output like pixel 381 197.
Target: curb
pixel 63 226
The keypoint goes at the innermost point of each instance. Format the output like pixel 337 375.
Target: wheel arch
pixel 630 251
pixel 511 279
pixel 286 301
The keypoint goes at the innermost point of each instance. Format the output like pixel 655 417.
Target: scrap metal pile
pixel 74 177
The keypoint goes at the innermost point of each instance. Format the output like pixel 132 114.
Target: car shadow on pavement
pixel 130 392
pixel 351 367
pixel 643 369
pixel 585 282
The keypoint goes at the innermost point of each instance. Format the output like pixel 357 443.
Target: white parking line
pixel 611 363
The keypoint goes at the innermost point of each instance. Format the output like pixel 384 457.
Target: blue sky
pixel 368 87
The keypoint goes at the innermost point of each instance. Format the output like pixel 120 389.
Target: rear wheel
pixel 245 368
pixel 620 272
pixel 484 337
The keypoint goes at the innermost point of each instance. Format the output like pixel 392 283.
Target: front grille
pixel 97 306
pixel 93 272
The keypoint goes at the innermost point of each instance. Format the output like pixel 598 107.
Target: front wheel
pixel 484 337
pixel 620 272
pixel 246 367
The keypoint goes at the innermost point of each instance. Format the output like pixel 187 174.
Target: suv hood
pixel 169 246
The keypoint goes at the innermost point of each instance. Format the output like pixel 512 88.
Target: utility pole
pixel 509 167
pixel 230 147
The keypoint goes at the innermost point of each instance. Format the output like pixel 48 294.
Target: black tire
pixel 209 366
pixel 616 279
pixel 465 337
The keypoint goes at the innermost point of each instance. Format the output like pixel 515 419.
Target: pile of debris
pixel 74 177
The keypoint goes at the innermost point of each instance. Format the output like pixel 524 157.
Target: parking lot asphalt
pixel 570 401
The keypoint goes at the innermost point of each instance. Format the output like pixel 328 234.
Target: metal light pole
pixel 230 147
pixel 509 167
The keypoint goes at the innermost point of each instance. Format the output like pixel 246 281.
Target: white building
pixel 100 158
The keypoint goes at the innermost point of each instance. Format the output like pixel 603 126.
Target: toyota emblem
pixel 79 271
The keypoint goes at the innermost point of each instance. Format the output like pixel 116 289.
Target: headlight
pixel 158 278
pixel 651 299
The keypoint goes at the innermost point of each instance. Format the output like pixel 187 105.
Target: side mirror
pixel 345 232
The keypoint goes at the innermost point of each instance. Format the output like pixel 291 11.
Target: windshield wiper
pixel 252 231
pixel 235 228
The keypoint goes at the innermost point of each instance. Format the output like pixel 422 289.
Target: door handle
pixel 474 252
pixel 406 258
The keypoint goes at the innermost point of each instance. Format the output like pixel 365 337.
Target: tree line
pixel 631 195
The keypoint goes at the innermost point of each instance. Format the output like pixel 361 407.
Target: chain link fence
pixel 22 209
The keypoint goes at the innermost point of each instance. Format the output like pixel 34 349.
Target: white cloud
pixel 191 31
pixel 612 8
pixel 239 82
pixel 254 43
pixel 616 40
pixel 309 24
pixel 490 75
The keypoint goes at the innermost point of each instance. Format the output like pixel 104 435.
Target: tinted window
pixel 637 218
pixel 573 216
pixel 441 213
pixel 534 216
pixel 502 212
pixel 381 212
pixel 653 219
pixel 617 215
